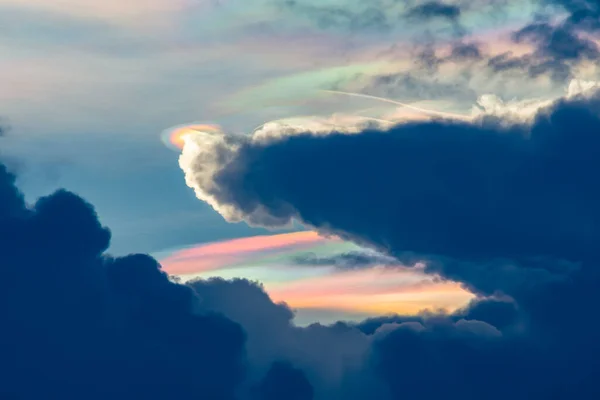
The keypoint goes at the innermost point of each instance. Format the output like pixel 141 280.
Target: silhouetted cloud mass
pixel 475 192
pixel 283 381
pixel 508 209
pixel 77 324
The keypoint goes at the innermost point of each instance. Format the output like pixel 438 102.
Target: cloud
pixel 465 51
pixel 434 9
pixel 332 278
pixel 507 208
pixel 218 167
pixel 349 260
pixel 409 86
pixel 559 44
pixel 557 49
pixel 80 324
pixel 584 14
pixel 283 381
pixel 473 192
pixel 506 61
pixel 491 341
pixel 325 354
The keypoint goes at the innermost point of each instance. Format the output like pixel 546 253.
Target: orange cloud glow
pixel 374 290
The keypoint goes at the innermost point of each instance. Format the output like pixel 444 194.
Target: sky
pixel 318 200
pixel 322 279
pixel 92 89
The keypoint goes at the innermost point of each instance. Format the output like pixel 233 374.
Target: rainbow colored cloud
pixel 319 289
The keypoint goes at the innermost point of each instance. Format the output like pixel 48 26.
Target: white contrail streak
pixel 390 101
pixel 331 124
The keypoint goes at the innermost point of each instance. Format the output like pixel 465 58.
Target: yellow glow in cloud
pixel 373 290
pixel 174 138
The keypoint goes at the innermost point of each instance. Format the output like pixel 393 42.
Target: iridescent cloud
pixel 231 253
pixel 310 289
pixel 237 63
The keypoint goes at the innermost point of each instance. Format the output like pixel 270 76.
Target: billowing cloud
pixel 283 381
pixel 497 184
pixel 508 208
pixel 80 324
pixel 505 205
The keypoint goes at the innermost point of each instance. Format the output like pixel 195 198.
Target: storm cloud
pixel 78 323
pixel 508 208
pixel 488 191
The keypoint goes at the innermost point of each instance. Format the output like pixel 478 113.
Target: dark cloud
pixel 283 381
pixel 349 260
pixel 79 324
pixel 325 355
pixel 434 9
pixel 557 42
pixel 509 209
pixel 500 312
pixel 540 351
pixel 557 47
pixel 491 197
pixel 465 51
pixel 584 14
pixel 507 61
